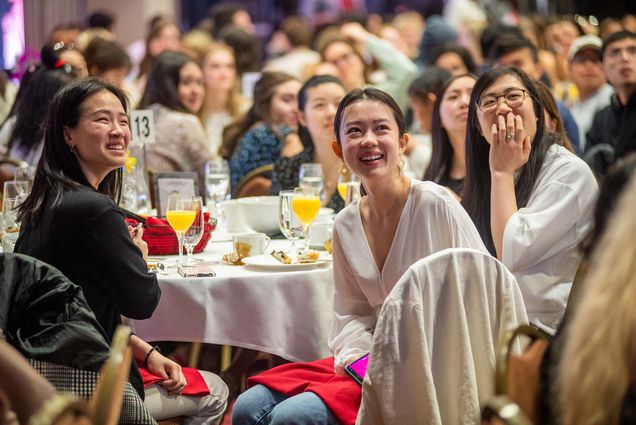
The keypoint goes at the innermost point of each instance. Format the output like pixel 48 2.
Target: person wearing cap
pixel 586 72
pixel 613 131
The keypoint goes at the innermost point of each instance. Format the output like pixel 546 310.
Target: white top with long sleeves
pixel 432 360
pixel 541 241
pixel 431 220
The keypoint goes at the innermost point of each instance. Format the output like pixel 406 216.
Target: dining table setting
pixel 276 297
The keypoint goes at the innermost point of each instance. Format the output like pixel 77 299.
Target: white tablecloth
pixel 287 313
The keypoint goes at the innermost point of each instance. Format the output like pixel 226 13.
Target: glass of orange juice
pixel 306 204
pixel 348 187
pixel 181 213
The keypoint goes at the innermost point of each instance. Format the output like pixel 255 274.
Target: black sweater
pixel 86 238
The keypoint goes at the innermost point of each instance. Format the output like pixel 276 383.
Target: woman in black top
pixel 450 113
pixel 317 104
pixel 71 219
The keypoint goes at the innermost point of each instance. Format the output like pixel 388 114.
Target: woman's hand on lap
pixel 174 382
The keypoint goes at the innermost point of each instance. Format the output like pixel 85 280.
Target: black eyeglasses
pixel 514 98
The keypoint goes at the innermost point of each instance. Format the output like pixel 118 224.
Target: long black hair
pixel 59 169
pixel 476 194
pixel 315 81
pixel 32 100
pixel 438 169
pixel 163 81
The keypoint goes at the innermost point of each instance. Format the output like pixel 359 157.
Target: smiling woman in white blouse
pixel 530 198
pixel 375 240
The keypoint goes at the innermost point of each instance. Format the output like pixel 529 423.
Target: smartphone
pixel 358 368
pixel 199 270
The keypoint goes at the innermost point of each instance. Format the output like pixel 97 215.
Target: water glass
pixel 290 225
pixel 14 193
pixel 26 173
pixel 194 234
pixel 217 183
pixel 310 175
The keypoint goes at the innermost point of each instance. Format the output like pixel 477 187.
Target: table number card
pixel 164 184
pixel 142 126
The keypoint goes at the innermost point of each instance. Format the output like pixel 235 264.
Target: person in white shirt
pixel 375 240
pixel 530 198
pixel 586 72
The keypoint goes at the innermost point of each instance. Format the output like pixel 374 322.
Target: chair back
pixel 432 358
pixel 255 183
pixel 517 376
pixel 109 393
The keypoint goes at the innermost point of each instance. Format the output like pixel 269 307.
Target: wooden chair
pixel 106 403
pixel 501 410
pixel 517 376
pixel 255 183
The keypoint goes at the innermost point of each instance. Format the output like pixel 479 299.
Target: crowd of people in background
pixel 511 122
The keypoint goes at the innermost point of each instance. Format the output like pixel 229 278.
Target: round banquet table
pixel 287 313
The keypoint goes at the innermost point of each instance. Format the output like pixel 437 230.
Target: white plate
pixel 267 262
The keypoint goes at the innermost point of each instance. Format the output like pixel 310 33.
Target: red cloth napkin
pixel 340 393
pixel 196 385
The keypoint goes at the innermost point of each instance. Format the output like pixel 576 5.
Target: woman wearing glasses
pixel 529 197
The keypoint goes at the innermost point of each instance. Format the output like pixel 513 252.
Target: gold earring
pixel 343 169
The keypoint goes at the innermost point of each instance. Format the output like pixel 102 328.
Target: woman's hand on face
pixel 354 31
pixel 510 147
pixel 174 382
pixel 135 234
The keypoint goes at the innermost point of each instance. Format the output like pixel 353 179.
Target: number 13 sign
pixel 142 127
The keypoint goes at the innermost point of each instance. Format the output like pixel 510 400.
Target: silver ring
pixel 510 136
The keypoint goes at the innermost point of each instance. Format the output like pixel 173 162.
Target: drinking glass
pixel 217 183
pixel 288 222
pixel 348 187
pixel 13 195
pixel 180 215
pixel 194 234
pixel 310 175
pixel 306 204
pixel 26 173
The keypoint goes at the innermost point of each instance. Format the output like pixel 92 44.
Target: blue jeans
pixel 260 406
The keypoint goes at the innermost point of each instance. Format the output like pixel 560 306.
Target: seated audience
pixel 71 221
pixel 448 162
pixel 317 103
pixel 586 72
pixel 399 70
pixel 456 59
pixel 174 92
pixel 519 52
pixel 530 198
pixel 258 138
pixel 613 131
pixel 222 103
pixel 553 121
pixel 423 93
pixel 420 217
pixel 22 134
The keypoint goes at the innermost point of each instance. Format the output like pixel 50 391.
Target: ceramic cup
pixel 257 241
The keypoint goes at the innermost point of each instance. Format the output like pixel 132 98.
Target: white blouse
pixel 541 241
pixel 431 221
